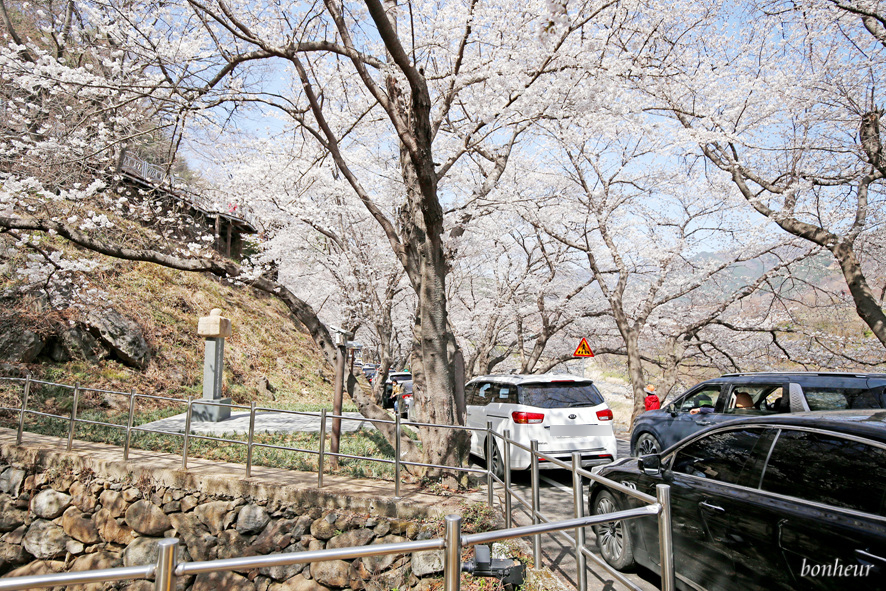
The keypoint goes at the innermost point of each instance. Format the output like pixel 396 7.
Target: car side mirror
pixel 650 464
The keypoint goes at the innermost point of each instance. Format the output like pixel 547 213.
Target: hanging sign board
pixel 583 349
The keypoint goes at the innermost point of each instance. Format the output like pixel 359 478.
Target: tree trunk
pixel 432 361
pixel 635 371
pixel 434 347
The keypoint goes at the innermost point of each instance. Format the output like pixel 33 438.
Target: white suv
pixel 563 413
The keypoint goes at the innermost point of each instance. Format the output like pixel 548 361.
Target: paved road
pixel 557 503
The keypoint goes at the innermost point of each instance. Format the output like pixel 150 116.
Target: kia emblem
pixel 571 416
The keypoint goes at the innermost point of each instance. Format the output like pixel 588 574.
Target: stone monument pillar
pixel 215 329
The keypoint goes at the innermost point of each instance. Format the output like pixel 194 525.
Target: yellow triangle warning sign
pixel 583 350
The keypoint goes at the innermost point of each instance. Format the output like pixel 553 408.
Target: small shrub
pixel 478 517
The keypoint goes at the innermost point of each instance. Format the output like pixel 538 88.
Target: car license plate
pixel 580 430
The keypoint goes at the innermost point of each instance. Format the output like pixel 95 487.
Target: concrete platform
pixel 265 422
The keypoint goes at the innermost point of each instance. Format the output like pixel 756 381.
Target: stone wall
pixel 66 519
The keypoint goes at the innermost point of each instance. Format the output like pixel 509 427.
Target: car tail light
pixel 524 418
pixel 405 396
pixel 604 415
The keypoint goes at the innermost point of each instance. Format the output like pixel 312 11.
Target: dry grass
pixel 266 342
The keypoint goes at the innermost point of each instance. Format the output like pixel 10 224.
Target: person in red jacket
pixel 651 401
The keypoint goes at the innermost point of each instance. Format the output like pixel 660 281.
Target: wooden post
pixel 337 398
pixel 341 357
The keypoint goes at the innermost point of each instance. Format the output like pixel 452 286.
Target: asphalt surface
pixel 556 492
pixel 557 503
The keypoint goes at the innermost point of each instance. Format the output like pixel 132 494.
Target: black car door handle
pixel 710 507
pixel 869 556
pixel 703 422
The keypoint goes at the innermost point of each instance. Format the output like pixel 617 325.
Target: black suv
pixel 775 502
pixel 747 394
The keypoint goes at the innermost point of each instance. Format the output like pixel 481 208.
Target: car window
pixel 503 394
pixel 706 397
pixel 471 394
pixel 756 399
pixel 718 456
pixel 827 469
pixel 482 394
pixel 830 398
pixel 560 395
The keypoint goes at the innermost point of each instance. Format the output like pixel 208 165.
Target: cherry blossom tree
pixel 515 293
pixel 625 203
pixel 446 103
pixel 324 246
pixel 782 99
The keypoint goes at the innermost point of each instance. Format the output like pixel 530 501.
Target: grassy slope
pixel 266 343
pixel 167 303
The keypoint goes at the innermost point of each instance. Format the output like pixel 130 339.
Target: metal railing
pixel 322 452
pixel 162 177
pixel 658 505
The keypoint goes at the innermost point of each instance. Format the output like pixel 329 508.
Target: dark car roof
pixel 796 375
pixel 869 423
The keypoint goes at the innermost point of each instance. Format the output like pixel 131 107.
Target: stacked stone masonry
pixel 59 520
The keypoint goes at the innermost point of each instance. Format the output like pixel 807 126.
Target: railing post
pixel 249 442
pixel 490 480
pixel 452 553
pixel 397 451
pixel 129 426
pixel 322 448
pixel 21 418
pixel 164 577
pixel 578 499
pixel 536 504
pixel 187 435
pixel 73 417
pixel 507 467
pixel 665 542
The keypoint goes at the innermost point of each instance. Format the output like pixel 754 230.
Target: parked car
pixel 563 413
pixel 369 370
pixel 773 502
pixel 747 394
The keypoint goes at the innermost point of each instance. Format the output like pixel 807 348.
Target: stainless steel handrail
pixel 659 505
pixel 78 578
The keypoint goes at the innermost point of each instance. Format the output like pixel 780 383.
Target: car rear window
pixel 560 395
pixel 827 398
